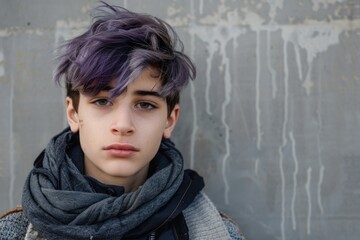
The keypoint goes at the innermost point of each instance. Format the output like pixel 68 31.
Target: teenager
pixel 114 173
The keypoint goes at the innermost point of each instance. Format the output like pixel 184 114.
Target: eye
pixel 145 106
pixel 102 102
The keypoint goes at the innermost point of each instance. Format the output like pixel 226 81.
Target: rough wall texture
pixel 272 121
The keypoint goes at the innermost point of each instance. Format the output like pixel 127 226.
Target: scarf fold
pixel 60 202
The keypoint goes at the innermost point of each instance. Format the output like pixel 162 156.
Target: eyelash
pixel 148 106
pixel 103 102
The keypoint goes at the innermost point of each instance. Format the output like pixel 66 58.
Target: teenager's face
pixel 120 137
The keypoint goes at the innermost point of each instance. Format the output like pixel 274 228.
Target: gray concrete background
pixel 272 121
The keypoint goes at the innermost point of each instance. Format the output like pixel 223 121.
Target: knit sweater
pixel 202 218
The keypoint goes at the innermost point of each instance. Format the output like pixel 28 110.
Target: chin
pixel 122 171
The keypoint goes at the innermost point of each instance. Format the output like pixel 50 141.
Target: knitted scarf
pixel 61 204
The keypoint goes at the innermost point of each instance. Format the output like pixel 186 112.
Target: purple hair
pixel 118 46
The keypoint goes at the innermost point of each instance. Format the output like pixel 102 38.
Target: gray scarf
pixel 61 204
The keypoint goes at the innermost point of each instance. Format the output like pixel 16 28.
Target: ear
pixel 72 115
pixel 171 121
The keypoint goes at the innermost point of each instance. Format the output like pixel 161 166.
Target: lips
pixel 122 150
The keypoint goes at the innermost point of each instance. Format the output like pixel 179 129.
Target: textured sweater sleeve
pixel 233 229
pixel 205 222
pixel 13 225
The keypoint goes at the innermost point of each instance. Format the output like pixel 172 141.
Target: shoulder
pixel 13 224
pixel 205 222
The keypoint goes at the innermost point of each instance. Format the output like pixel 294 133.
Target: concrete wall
pixel 272 121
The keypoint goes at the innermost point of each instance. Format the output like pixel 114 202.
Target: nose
pixel 122 122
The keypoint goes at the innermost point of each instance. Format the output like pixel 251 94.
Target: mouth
pixel 121 150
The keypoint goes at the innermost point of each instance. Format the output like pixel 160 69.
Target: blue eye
pixel 145 106
pixel 102 102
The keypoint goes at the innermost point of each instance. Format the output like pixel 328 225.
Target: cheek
pixel 86 120
pixel 89 142
pixel 87 132
pixel 151 131
pixel 155 127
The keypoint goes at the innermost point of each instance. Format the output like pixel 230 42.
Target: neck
pixel 129 182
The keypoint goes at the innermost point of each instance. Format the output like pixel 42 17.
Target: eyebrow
pixel 137 92
pixel 107 88
pixel 148 93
